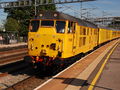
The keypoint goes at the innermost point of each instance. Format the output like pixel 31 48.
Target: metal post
pixel 81 9
pixel 88 15
pixel 103 14
pixel 35 8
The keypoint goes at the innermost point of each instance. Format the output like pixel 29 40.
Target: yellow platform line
pixel 101 69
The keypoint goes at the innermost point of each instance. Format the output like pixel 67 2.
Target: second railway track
pixel 11 56
pixel 11 62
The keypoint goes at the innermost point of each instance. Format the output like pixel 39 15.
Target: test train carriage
pixel 55 37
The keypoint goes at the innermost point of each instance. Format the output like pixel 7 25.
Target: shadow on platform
pixel 79 82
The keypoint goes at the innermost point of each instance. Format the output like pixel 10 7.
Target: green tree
pixel 24 14
pixel 2 25
pixel 1 28
pixel 12 25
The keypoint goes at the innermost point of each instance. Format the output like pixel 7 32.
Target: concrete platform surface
pixel 110 78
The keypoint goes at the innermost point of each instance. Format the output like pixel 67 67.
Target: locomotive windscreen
pixel 60 26
pixel 34 26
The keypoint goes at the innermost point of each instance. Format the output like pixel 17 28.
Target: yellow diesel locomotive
pixel 54 37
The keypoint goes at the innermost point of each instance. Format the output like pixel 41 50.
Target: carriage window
pixel 88 31
pixel 81 31
pixel 95 32
pixel 47 23
pixel 84 31
pixel 60 26
pixel 34 26
pixel 71 27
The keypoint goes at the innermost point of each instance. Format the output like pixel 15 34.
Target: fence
pixel 11 37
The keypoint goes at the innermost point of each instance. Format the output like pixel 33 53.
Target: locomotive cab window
pixel 60 26
pixel 47 23
pixel 34 26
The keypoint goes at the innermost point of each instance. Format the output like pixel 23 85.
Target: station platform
pixel 110 77
pixel 81 74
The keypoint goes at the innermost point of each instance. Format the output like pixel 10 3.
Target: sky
pixel 98 8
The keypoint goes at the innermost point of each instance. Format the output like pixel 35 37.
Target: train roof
pixel 63 16
pixel 108 28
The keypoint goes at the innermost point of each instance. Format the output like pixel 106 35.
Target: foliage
pixel 12 25
pixel 23 16
pixel 2 25
pixel 1 28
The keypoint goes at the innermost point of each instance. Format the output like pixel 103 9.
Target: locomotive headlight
pixel 41 15
pixel 55 15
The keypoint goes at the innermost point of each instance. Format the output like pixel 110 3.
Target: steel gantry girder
pixel 23 3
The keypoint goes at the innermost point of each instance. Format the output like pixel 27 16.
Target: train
pixel 55 37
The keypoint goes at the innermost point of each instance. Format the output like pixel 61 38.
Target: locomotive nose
pixel 48 49
pixel 46 42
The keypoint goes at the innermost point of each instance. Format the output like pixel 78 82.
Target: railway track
pixel 29 83
pixel 22 77
pixel 13 73
pixel 11 62
pixel 11 56
pixel 34 79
